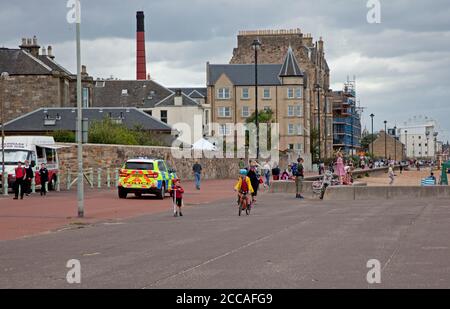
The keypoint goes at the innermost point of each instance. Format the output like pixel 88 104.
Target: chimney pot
pixel 44 51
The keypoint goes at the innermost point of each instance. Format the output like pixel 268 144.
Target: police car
pixel 145 176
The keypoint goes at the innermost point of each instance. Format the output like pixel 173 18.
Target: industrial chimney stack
pixel 141 65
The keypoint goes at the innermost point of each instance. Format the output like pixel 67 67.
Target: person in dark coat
pixel 28 178
pixel 43 175
pixel 254 179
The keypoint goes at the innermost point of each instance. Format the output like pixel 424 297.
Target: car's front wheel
pixel 162 193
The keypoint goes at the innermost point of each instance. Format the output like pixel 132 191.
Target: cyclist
pixel 243 186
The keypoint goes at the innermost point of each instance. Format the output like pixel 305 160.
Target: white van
pixel 35 149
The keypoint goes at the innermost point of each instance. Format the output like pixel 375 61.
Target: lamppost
pixel 395 144
pixel 428 143
pixel 4 76
pixel 435 145
pixel 406 143
pixel 385 139
pixel 317 87
pixel 371 116
pixel 256 46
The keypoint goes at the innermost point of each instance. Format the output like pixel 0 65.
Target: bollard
pixel 69 179
pixel 108 178
pixel 58 183
pixel 91 177
pixel 5 183
pixel 99 178
pixel 116 177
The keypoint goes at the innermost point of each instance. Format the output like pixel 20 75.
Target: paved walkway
pixel 35 214
pixel 284 243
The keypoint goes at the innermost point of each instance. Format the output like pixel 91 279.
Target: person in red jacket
pixel 19 183
pixel 178 196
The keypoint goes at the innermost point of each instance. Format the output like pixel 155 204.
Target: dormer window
pixel 124 92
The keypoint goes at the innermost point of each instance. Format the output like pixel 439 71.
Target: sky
pixel 401 64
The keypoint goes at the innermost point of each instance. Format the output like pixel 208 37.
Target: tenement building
pixel 310 56
pixel 281 90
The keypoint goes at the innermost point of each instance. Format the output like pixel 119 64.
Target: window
pixel 40 153
pixel 164 116
pixel 161 166
pixel 245 93
pixel 100 84
pixel 51 155
pixel 294 129
pixel 266 93
pixel 295 111
pixel 294 93
pixel 140 166
pixel 290 93
pixel 223 93
pixel 291 146
pixel 224 112
pixel 224 129
pixel 206 116
pixel 299 147
pixel 124 92
pixel 245 111
pixel 85 97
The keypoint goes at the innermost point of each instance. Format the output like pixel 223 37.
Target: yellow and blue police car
pixel 145 176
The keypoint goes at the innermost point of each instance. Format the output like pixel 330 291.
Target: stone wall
pixel 25 93
pixel 113 156
pixel 379 147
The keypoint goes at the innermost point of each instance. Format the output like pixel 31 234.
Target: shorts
pixel 179 202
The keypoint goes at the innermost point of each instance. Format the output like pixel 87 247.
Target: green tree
pixel 264 116
pixel 61 136
pixel 314 137
pixel 367 140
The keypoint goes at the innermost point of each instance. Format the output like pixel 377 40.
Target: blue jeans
pixel 197 180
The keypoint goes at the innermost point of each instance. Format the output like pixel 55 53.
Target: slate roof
pixel 140 93
pixel 170 101
pixel 65 119
pixel 244 74
pixel 20 62
pixel 290 66
pixel 194 93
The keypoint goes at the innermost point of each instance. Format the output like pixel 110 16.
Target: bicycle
pixel 244 204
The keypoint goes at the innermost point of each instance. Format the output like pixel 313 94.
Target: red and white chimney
pixel 141 65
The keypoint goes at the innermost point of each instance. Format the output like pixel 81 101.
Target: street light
pixel 406 143
pixel 317 87
pixel 256 46
pixel 435 144
pixel 4 76
pixel 371 116
pixel 428 143
pixel 395 144
pixel 385 139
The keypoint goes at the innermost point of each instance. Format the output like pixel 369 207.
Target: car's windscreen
pixel 12 157
pixel 141 166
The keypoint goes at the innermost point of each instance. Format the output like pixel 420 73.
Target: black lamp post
pixel 385 139
pixel 256 46
pixel 371 116
pixel 317 87
pixel 406 143
pixel 395 144
pixel 4 76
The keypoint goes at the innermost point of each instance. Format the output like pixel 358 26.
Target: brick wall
pixel 392 153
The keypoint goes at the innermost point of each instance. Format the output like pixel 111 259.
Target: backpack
pixel 294 169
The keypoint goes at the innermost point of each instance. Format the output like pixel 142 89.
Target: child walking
pixel 178 191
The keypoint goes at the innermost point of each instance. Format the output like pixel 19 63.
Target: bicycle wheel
pixel 248 208
pixel 240 207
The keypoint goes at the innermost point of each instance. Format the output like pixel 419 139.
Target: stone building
pixel 387 144
pixel 281 89
pixel 311 58
pixel 36 80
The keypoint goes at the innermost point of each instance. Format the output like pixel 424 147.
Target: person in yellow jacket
pixel 244 185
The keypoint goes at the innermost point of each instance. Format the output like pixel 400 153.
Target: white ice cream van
pixel 35 149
